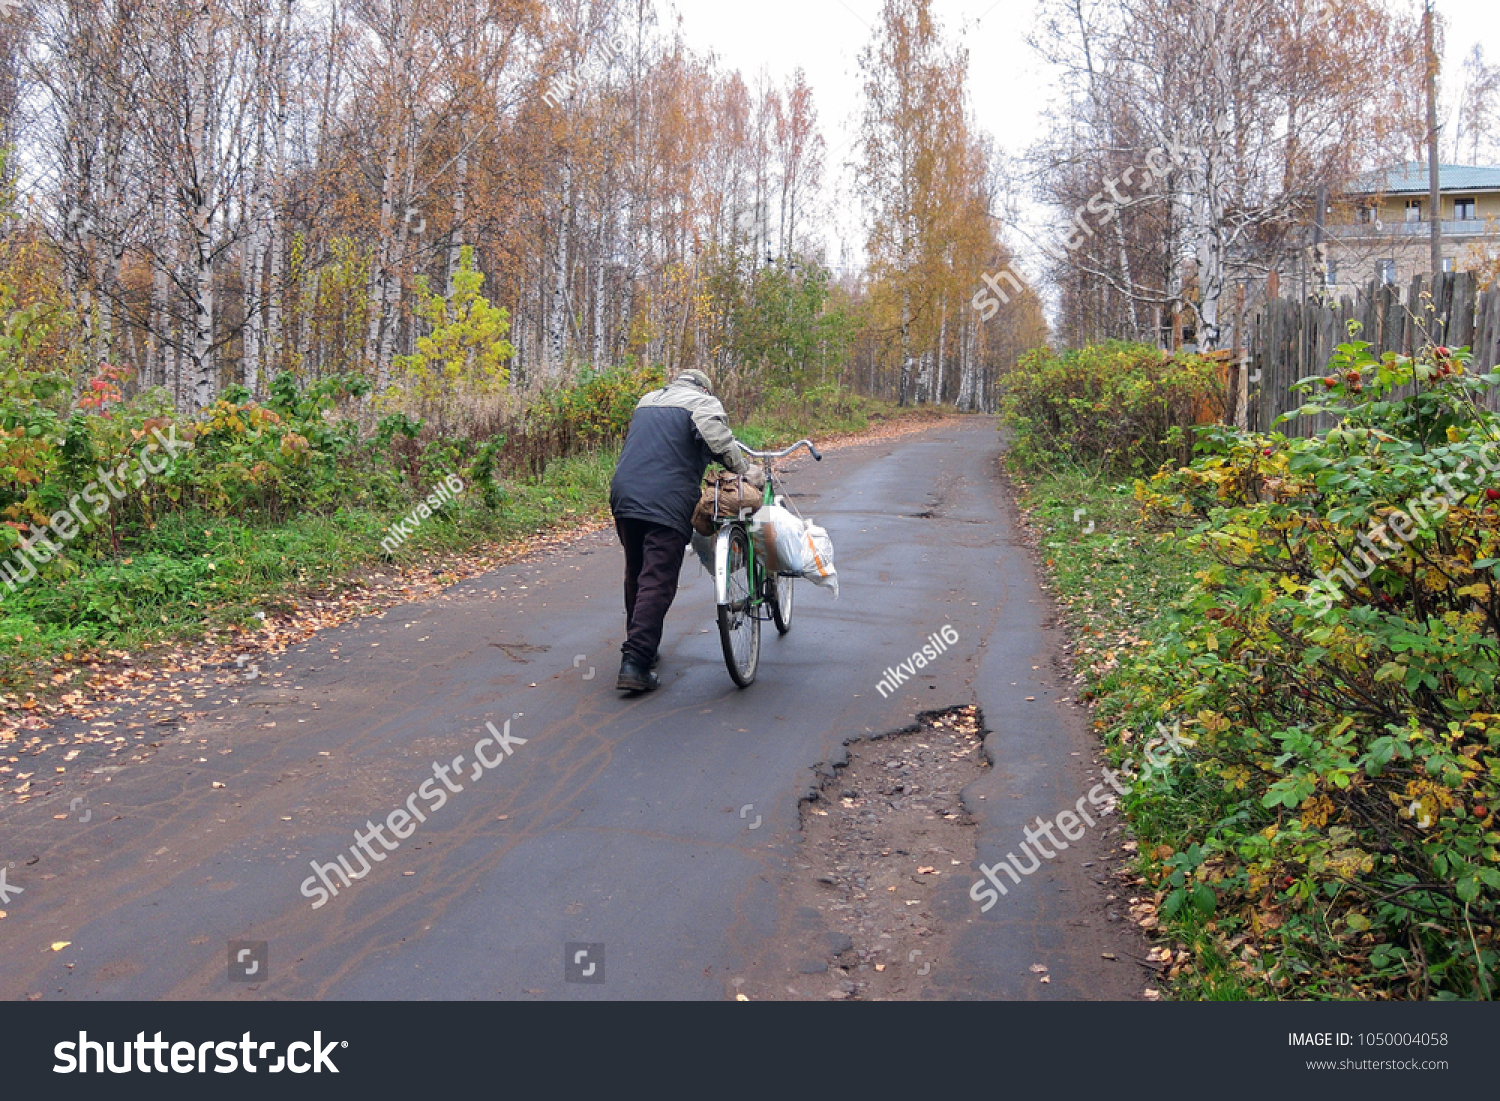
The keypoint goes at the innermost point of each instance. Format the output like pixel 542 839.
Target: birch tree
pixel 1239 112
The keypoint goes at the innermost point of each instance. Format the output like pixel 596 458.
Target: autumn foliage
pixel 1343 790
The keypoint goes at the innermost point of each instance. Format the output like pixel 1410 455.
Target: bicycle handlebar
pixel 781 454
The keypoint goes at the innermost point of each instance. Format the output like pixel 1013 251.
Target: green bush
pixel 1114 408
pixel 583 415
pixel 1337 666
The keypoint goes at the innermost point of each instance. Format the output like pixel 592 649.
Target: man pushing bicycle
pixel 675 433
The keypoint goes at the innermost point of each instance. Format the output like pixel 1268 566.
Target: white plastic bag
pixel 794 546
pixel 819 554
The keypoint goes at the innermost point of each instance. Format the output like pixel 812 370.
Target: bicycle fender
pixel 721 564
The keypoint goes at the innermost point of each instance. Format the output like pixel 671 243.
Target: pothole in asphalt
pixel 881 838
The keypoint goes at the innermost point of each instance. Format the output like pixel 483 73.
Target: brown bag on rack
pixel 724 495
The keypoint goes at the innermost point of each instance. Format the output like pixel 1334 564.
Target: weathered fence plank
pixel 1286 340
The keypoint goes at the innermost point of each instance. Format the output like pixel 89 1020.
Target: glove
pixel 756 476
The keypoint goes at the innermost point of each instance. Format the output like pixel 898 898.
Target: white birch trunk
pixel 200 209
pixel 557 325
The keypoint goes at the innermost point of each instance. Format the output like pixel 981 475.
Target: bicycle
pixel 744 592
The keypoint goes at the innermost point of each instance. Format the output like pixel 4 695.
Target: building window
pixel 1364 214
pixel 1331 274
pixel 1449 264
pixel 1413 210
pixel 1385 272
pixel 1464 210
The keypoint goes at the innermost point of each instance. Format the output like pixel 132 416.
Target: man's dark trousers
pixel 653 563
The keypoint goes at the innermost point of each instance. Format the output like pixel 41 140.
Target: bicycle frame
pixel 726 532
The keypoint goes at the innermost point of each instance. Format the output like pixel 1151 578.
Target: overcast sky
pixel 1009 84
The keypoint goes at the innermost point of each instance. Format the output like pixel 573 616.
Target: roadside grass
pixel 1111 584
pixel 197 574
pixel 782 423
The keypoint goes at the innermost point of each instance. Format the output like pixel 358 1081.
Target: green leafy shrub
pixel 1113 407
pixel 1338 666
pixel 587 413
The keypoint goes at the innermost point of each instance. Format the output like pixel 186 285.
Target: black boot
pixel 635 677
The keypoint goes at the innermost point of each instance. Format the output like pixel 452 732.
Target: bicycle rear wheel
pixel 781 602
pixel 739 629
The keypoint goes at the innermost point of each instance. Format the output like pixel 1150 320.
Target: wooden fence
pixel 1286 340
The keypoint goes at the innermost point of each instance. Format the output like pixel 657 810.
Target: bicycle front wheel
pixel 739 629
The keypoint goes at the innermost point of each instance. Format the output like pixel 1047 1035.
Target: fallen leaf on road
pixel 217 784
pixel 1109 955
pixel 926 870
pixel 741 998
pixel 1046 978
pixel 59 945
pixel 1153 995
pixel 878 966
pixel 1038 969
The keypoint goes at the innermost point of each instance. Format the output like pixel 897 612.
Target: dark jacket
pixel 675 433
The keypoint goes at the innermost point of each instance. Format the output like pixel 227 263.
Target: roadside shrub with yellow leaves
pixel 1113 407
pixel 1340 653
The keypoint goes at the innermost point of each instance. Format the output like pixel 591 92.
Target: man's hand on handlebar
pixel 756 476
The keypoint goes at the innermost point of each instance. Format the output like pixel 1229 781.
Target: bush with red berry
pixel 1341 792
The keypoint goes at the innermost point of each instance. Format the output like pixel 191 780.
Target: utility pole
pixel 1320 244
pixel 1434 194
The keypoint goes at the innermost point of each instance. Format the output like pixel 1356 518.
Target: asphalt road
pixel 615 822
